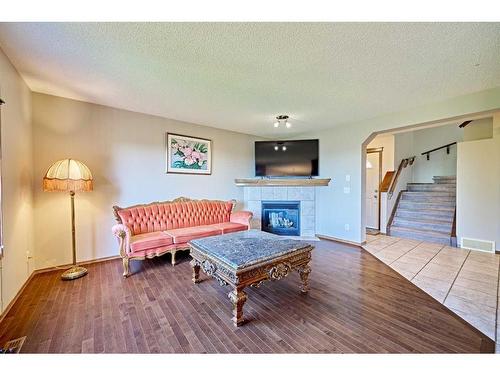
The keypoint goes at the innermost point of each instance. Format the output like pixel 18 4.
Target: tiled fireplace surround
pixel 254 195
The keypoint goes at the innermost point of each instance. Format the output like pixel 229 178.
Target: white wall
pixel 125 152
pixel 387 142
pixel 478 190
pixel 17 173
pixel 440 163
pixel 479 129
pixel 342 153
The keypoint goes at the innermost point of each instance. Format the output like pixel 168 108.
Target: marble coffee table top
pixel 243 249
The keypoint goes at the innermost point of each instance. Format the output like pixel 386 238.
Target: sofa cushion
pixel 230 227
pixel 149 241
pixel 183 235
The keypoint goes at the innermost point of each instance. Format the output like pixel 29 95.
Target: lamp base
pixel 74 273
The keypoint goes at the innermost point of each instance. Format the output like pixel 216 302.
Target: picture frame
pixel 188 155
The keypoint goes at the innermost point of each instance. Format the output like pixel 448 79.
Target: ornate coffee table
pixel 249 258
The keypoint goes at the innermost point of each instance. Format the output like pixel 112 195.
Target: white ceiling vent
pixel 475 244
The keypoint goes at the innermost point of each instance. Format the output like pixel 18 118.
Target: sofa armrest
pixel 123 233
pixel 241 217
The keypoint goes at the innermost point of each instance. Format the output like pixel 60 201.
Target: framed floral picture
pixel 186 154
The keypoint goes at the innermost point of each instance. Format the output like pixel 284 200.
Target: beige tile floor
pixel 464 281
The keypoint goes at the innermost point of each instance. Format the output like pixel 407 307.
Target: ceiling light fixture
pixel 279 145
pixel 282 119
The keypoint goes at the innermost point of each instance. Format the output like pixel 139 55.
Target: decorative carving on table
pixel 279 271
pixel 208 267
pixel 220 280
pixel 257 284
pixel 232 277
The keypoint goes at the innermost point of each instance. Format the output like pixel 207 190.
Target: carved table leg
pixel 196 271
pixel 304 272
pixel 238 298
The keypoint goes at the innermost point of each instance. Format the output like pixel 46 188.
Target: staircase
pixel 426 211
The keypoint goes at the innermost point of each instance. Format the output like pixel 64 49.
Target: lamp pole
pixel 73 230
pixel 75 271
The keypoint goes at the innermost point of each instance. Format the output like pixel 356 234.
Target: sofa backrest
pixel 185 213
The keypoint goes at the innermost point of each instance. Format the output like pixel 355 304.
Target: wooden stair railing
pixel 453 234
pixel 403 164
pixel 386 182
pixel 393 213
pixel 447 147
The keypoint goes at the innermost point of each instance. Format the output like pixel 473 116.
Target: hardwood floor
pixel 356 304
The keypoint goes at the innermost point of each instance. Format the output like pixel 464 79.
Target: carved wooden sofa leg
pixel 122 232
pixel 126 269
pixel 173 257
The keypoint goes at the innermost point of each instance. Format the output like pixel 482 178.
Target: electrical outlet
pixel 346 227
pixel 347 190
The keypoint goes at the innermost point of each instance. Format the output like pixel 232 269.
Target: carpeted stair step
pixel 426 205
pixel 445 179
pixel 422 224
pixel 450 188
pixel 421 196
pixel 421 235
pixel 427 213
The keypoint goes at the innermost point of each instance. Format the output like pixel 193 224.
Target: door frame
pixel 380 151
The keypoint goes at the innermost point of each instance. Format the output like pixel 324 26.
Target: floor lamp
pixel 69 175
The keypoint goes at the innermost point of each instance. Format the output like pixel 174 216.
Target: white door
pixel 372 193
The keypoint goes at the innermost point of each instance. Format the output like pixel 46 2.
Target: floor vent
pixel 13 346
pixel 481 245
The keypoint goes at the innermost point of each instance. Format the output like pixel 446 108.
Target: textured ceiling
pixel 238 76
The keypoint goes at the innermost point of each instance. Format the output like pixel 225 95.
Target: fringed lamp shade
pixel 68 175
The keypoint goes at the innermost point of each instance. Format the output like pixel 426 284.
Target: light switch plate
pixel 348 177
pixel 347 190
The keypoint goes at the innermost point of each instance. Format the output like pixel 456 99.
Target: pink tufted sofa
pixel 150 230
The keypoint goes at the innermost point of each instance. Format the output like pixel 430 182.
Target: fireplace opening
pixel 281 218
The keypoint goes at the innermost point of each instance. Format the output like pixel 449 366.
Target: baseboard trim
pixel 43 270
pixel 330 238
pixel 55 268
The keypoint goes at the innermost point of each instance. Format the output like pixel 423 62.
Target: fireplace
pixel 281 217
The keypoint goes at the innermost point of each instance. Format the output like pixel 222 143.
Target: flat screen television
pixel 287 158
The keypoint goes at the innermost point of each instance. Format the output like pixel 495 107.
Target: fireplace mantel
pixel 282 181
